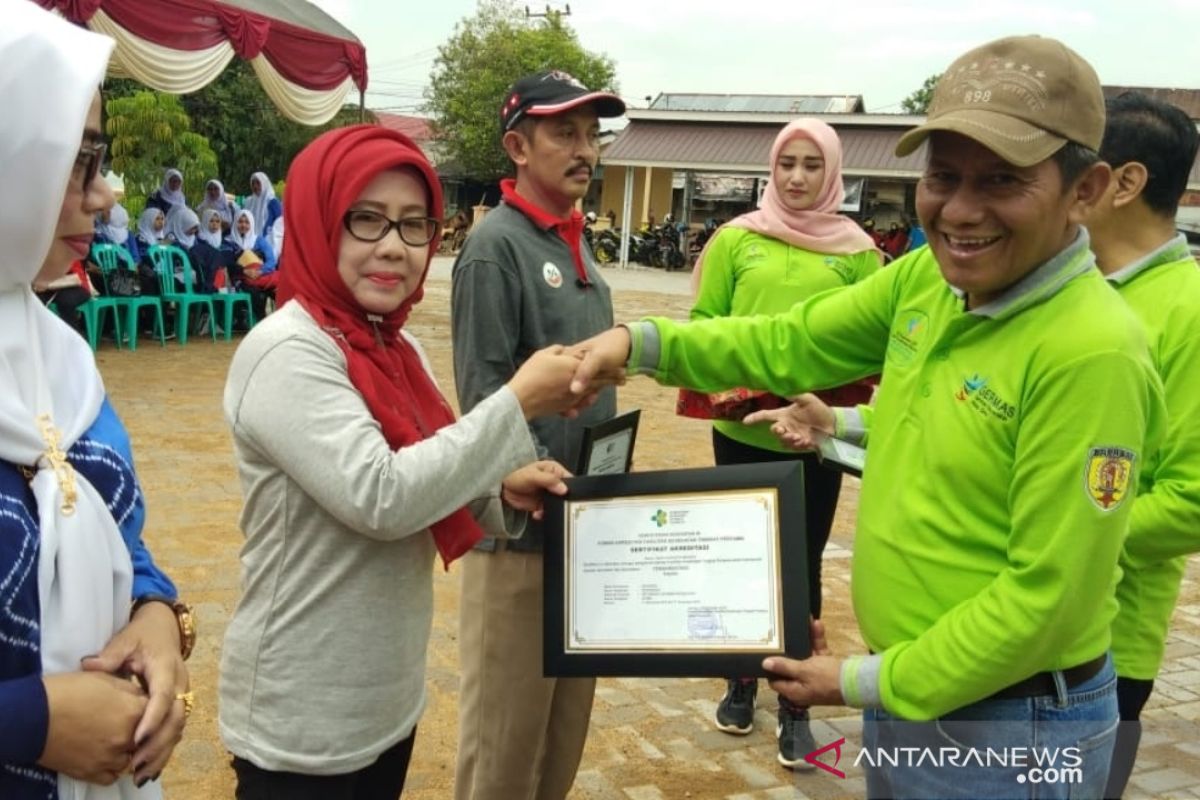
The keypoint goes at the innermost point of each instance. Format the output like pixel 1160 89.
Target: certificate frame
pixel 783 479
pixel 615 430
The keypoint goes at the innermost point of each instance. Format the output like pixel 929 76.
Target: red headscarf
pixel 324 180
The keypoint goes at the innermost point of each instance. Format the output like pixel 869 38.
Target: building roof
pixel 419 129
pixel 1188 100
pixel 713 147
pixel 760 103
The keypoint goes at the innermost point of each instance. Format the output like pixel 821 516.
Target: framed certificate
pixel 843 455
pixel 607 447
pixel 683 572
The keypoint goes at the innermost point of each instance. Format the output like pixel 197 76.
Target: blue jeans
pixel 1053 746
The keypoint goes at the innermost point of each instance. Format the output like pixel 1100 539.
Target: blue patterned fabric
pixel 104 457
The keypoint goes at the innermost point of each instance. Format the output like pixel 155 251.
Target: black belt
pixel 1043 682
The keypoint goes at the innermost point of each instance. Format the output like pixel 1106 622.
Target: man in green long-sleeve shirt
pixel 1151 146
pixel 1017 402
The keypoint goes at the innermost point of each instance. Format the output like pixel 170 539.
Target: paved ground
pixel 650 739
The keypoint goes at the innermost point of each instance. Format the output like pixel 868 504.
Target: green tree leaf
pixel 482 58
pixel 918 101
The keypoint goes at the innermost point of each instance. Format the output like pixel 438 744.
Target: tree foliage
pixel 918 101
pixel 243 132
pixel 477 64
pixel 246 130
pixel 148 132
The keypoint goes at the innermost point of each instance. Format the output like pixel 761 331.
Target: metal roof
pixel 759 103
pixel 713 147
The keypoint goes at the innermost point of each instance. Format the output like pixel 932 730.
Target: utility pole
pixel 549 12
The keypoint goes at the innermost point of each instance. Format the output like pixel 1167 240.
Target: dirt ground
pixel 170 400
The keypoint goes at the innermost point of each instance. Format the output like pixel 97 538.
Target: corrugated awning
pixel 708 147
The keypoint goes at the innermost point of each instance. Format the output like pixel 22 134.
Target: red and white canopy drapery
pixel 307 62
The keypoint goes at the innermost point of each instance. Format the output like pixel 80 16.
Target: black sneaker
pixel 795 737
pixel 735 712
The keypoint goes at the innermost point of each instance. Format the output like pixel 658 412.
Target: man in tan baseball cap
pixel 1023 98
pixel 1017 406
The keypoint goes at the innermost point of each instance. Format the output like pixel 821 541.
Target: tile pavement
pixel 662 728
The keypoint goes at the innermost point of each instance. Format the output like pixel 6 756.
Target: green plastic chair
pixel 112 258
pixel 167 259
pixel 93 312
pixel 229 299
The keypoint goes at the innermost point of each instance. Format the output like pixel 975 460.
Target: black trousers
pixel 383 780
pixel 1132 695
pixel 821 489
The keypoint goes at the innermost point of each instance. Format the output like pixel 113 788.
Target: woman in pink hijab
pixel 794 246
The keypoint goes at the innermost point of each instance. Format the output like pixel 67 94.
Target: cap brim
pixel 607 105
pixel 1014 140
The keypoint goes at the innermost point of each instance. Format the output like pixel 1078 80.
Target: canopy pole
pixel 362 106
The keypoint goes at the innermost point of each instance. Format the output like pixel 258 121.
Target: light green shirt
pixel 746 273
pixel 1003 459
pixel 1163 289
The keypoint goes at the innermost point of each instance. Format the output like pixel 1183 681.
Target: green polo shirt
pixel 1004 454
pixel 746 273
pixel 1163 289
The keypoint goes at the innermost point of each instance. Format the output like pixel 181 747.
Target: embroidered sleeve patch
pixel 1106 479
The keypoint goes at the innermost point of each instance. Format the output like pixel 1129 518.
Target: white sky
pixel 881 49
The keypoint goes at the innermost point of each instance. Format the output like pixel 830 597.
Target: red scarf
pixel 323 182
pixel 569 229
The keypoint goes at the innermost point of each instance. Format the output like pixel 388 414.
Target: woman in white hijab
pixel 210 227
pixel 263 203
pixel 112 226
pixel 216 199
pixel 170 195
pixel 84 606
pixel 152 228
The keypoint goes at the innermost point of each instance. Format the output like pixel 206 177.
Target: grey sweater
pixel 323 666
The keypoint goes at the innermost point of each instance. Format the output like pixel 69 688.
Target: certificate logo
pixel 1107 476
pixel 659 518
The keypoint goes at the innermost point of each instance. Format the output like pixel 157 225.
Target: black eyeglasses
pixel 87 164
pixel 371 226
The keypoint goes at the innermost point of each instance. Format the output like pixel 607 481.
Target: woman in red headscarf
pixel 354 471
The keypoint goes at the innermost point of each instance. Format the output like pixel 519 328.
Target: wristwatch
pixel 183 616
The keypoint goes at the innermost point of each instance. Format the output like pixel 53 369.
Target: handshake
pixel 566 380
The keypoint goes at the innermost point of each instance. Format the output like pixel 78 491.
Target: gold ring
pixel 189 702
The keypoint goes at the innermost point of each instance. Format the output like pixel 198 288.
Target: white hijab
pixel 257 204
pixel 146 226
pixel 173 196
pixel 179 222
pixel 116 230
pixel 205 235
pixel 221 205
pixel 248 241
pixel 47 371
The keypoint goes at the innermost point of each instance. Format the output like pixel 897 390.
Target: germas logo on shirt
pixel 907 334
pixel 985 400
pixel 842 269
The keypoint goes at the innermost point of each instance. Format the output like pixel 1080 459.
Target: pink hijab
pixel 818 228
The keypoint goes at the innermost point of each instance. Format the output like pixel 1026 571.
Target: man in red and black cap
pixel 526 279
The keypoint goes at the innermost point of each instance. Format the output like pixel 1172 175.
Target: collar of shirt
pixel 1043 282
pixel 1174 249
pixel 569 229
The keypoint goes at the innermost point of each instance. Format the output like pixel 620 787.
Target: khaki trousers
pixel 520 736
